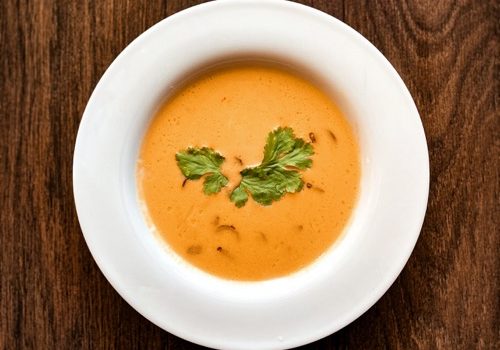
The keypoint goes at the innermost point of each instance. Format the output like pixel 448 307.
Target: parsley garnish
pixel 278 174
pixel 197 162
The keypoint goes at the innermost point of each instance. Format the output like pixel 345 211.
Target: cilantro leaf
pixel 239 196
pixel 197 162
pixel 284 156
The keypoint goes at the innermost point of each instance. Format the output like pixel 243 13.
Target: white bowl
pixel 281 313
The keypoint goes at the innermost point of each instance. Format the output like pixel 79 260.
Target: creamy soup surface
pixel 232 109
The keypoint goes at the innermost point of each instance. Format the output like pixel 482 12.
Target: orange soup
pixel 231 110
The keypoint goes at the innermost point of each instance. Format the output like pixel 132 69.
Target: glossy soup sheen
pixel 232 109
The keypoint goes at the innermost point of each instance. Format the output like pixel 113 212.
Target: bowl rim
pixel 198 9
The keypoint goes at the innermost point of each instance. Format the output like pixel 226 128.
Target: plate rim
pixel 177 16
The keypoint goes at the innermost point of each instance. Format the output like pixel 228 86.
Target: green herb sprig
pixel 197 162
pixel 278 174
pixel 284 156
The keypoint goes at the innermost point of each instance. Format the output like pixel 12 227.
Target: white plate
pixel 279 313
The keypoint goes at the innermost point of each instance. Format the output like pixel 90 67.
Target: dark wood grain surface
pixel 53 296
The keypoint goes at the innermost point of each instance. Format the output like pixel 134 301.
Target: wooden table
pixel 53 296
